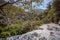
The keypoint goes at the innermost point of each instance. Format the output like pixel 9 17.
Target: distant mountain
pixel 39 10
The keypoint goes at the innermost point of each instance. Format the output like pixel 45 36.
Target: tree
pixel 54 12
pixel 56 7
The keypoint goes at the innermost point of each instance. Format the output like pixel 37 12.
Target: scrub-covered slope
pixel 45 32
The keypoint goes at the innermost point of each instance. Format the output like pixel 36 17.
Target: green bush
pixel 1 29
pixel 13 32
pixel 15 29
pixel 4 34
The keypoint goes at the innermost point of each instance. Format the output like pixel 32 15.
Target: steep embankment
pixel 45 32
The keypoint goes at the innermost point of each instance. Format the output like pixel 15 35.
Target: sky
pixel 45 2
pixel 43 6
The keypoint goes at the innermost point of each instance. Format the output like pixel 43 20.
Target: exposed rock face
pixel 45 32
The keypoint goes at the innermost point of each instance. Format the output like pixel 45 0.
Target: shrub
pixel 13 32
pixel 14 29
pixel 1 29
pixel 4 34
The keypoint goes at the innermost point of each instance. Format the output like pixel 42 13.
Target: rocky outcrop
pixel 45 32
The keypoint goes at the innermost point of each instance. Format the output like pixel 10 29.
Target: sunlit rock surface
pixel 45 32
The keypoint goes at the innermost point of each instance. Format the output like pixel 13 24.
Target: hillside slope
pixel 45 32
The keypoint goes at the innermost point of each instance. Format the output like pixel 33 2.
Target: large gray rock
pixel 45 32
